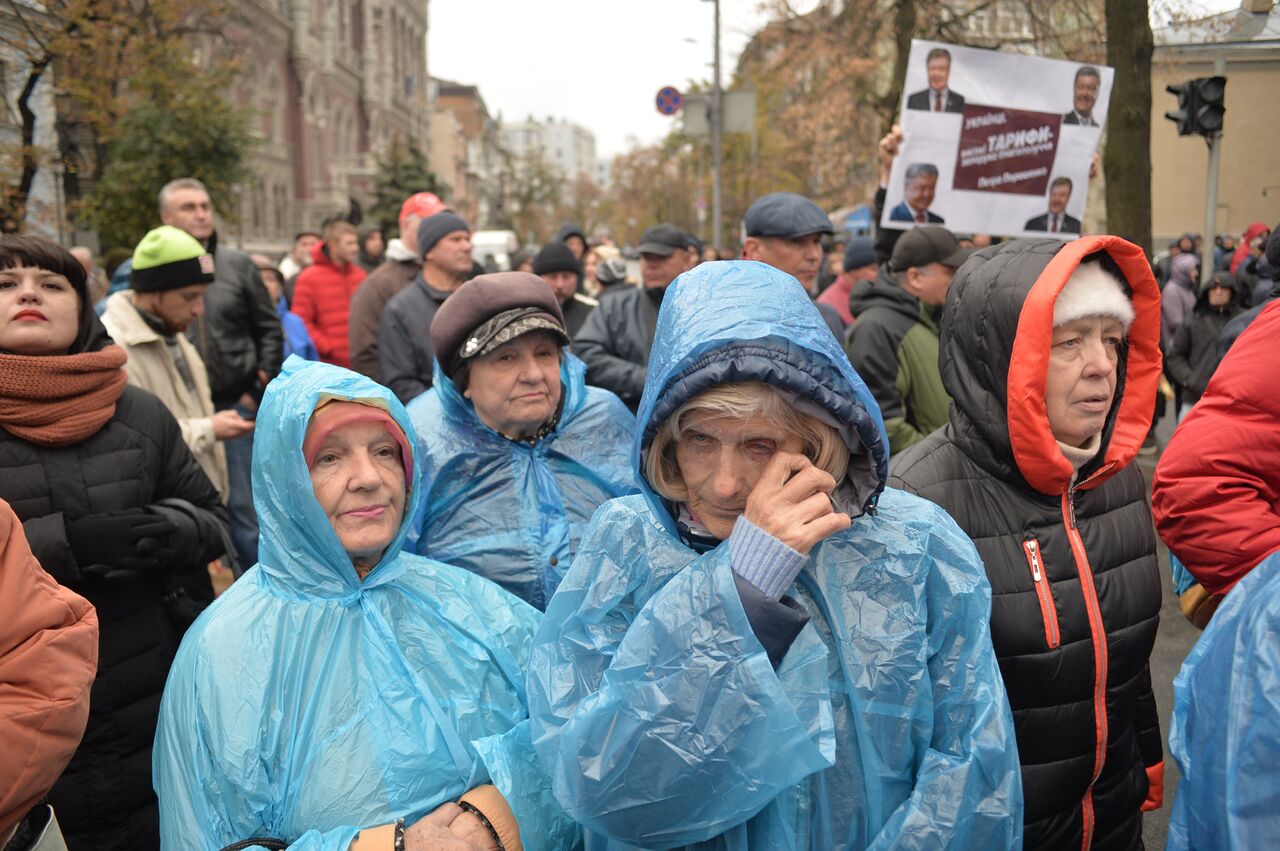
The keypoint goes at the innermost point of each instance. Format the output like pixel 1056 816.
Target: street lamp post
pixel 717 115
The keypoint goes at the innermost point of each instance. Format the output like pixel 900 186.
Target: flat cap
pixel 785 214
pixel 663 240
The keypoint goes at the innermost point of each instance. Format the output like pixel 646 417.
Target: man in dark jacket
pixel 1051 355
pixel 616 338
pixel 405 354
pixel 894 342
pixel 556 265
pixel 402 265
pixel 240 341
pixel 1193 355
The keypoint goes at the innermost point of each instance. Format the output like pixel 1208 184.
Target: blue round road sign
pixel 669 100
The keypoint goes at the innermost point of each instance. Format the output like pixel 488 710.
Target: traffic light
pixel 1200 108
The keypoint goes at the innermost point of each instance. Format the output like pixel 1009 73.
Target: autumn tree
pixel 534 195
pixel 187 132
pixel 102 54
pixel 401 172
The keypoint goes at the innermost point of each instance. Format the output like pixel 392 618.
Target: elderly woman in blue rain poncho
pixel 517 451
pixel 342 694
pixel 768 649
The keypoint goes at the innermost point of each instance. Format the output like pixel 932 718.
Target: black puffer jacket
pixel 1075 587
pixel 138 459
pixel 239 332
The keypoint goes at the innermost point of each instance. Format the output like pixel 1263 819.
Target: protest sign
pixel 996 143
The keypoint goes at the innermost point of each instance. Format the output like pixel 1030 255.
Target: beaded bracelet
pixel 398 843
pixel 484 821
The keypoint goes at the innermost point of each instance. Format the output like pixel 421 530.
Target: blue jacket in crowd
pixel 306 704
pixel 297 340
pixel 1225 730
pixel 511 511
pixel 656 708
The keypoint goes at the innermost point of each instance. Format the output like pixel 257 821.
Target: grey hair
pixel 822 444
pixel 1088 71
pixel 921 170
pixel 173 186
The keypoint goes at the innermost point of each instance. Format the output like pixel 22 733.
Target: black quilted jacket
pixel 104 798
pixel 1072 563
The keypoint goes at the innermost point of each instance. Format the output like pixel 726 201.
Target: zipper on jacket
pixel 1100 660
pixel 1048 613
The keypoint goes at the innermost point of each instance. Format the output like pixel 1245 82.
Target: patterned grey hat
pixel 508 325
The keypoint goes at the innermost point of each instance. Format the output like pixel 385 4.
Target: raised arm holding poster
pixel 996 143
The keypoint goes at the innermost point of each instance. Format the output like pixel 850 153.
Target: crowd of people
pixel 836 543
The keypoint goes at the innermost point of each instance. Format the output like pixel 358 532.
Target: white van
pixel 498 243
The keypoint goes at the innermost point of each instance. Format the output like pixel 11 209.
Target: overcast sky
pixel 597 63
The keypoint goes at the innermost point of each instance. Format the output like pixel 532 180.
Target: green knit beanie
pixel 169 258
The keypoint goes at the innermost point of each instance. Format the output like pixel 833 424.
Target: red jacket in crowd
pixel 323 299
pixel 1216 495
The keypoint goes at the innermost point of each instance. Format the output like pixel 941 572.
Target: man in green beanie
pixel 171 272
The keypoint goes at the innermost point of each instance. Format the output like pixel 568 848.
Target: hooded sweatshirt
pixel 1069 550
pixel 658 703
pixel 1179 296
pixel 512 511
pixel 1193 354
pixel 322 299
pixel 309 704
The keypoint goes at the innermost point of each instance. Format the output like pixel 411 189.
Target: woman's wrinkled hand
pixel 792 502
pixel 468 826
pixel 448 828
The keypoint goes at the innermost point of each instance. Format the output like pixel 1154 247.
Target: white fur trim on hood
pixel 1092 291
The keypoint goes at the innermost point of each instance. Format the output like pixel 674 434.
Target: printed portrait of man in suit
pixel 1088 82
pixel 938 97
pixel 920 184
pixel 1056 220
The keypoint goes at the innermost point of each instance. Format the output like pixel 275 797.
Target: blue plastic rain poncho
pixel 1225 732
pixel 306 704
pixel 655 707
pixel 510 511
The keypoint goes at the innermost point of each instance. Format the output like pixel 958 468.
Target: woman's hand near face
pixel 792 502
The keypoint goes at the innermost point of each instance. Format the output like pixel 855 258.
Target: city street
pixel 1174 641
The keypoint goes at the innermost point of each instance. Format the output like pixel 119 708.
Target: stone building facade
pixel 465 151
pixel 332 83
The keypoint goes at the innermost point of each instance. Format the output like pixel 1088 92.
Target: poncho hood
pixel 995 341
pixel 742 320
pixel 297 545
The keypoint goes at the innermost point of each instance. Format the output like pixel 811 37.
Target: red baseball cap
pixel 422 205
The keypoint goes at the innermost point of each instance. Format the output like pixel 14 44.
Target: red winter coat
pixel 323 299
pixel 1216 495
